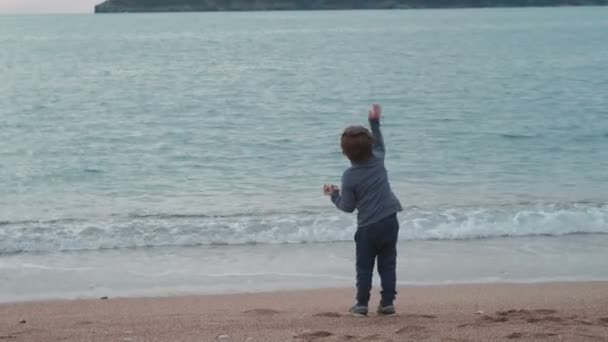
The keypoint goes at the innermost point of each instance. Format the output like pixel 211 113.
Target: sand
pixel 498 312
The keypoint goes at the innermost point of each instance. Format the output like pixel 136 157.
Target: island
pixel 118 6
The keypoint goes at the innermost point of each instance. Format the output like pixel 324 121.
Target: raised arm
pixel 375 114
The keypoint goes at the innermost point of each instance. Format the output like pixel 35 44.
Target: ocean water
pixel 209 135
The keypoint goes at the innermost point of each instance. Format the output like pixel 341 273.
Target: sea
pixel 169 154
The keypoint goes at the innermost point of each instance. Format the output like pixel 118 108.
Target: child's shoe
pixel 386 310
pixel 358 310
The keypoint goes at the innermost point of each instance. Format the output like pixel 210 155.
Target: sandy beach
pixel 496 312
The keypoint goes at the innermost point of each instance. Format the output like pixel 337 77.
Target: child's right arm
pixel 343 199
pixel 374 120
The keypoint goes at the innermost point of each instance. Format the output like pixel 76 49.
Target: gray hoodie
pixel 365 186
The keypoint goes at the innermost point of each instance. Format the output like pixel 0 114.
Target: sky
pixel 47 6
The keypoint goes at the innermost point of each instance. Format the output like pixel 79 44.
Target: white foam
pixel 307 227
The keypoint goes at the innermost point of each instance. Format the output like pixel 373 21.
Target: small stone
pixel 22 322
pixel 480 312
pixel 104 298
pixel 224 338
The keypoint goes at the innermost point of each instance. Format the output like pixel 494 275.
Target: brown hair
pixel 357 143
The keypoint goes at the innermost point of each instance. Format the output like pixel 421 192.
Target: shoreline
pixel 573 311
pixel 296 291
pixel 171 271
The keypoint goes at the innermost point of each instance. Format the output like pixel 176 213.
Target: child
pixel 365 187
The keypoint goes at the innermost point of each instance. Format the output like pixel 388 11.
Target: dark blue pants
pixel 377 241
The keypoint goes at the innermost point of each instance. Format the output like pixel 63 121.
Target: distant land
pixel 117 6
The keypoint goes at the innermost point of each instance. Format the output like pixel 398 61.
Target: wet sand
pixel 489 312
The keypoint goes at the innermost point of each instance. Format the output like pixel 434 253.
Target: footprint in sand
pixel 494 319
pixel 545 311
pixel 327 314
pixel 309 335
pixel 505 316
pixel 544 319
pixel 411 329
pixel 514 335
pixel 530 316
pixel 419 316
pixel 262 312
pixel 484 321
pixel 524 312
pixel 517 335
pixel 594 337
pixel 513 312
pixel 415 332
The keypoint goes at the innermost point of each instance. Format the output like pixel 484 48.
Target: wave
pixel 442 223
pixel 514 136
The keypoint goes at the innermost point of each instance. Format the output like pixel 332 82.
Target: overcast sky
pixel 47 6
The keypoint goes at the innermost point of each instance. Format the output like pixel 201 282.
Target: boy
pixel 365 187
